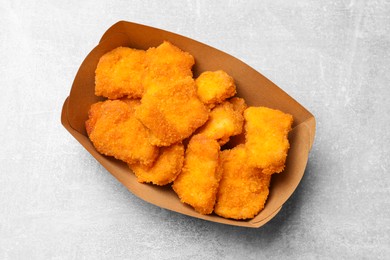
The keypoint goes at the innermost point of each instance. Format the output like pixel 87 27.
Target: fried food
pixel 165 169
pixel 124 72
pixel 156 108
pixel 119 73
pixel 225 120
pixel 267 138
pixel 243 189
pixel 213 87
pixel 114 131
pixel 172 112
pixel 239 104
pixel 198 182
pixel 168 61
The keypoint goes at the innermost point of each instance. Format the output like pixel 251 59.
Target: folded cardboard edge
pixel 117 29
pixel 79 137
pixel 128 28
pixel 250 223
pixel 124 28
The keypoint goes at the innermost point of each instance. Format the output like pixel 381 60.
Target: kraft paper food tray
pixel 251 85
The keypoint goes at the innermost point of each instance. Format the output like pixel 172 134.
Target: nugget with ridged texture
pixel 114 131
pixel 198 182
pixel 165 169
pixel 225 120
pixel 171 112
pixel 266 138
pixel 213 87
pixel 120 72
pixel 243 190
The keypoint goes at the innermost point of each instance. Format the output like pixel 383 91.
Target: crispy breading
pixel 156 108
pixel 171 110
pixel 243 190
pixel 213 87
pixel 125 72
pixel 94 113
pixel 119 73
pixel 224 121
pixel 165 169
pixel 114 131
pixel 168 61
pixel 267 138
pixel 198 182
pixel 239 104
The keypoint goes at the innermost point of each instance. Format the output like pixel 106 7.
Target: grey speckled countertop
pixel 333 57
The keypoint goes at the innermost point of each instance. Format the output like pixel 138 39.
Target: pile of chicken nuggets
pixel 172 129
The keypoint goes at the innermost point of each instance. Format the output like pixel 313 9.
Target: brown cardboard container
pixel 256 89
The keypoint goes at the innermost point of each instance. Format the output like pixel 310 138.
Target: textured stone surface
pixel 333 57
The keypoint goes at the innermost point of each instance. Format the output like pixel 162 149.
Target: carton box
pixel 256 89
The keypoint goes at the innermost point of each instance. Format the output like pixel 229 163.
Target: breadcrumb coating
pixel 239 104
pixel 213 87
pixel 114 131
pixel 224 121
pixel 171 111
pixel 168 61
pixel 156 109
pixel 198 182
pixel 125 72
pixel 266 138
pixel 165 169
pixel 119 73
pixel 243 189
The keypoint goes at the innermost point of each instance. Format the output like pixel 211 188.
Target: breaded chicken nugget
pixel 267 138
pixel 165 169
pixel 114 131
pixel 94 113
pixel 213 87
pixel 224 122
pixel 243 189
pixel 239 104
pixel 171 111
pixel 119 73
pixel 198 182
pixel 168 61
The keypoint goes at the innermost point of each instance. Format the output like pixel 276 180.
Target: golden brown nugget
pixel 119 73
pixel 213 87
pixel 168 61
pixel 172 112
pixel 165 169
pixel 94 113
pixel 243 189
pixel 224 122
pixel 239 104
pixel 198 182
pixel 114 131
pixel 267 138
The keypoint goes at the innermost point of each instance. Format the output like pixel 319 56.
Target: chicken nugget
pixel 213 87
pixel 243 190
pixel 114 131
pixel 119 73
pixel 173 112
pixel 224 122
pixel 198 182
pixel 94 113
pixel 267 138
pixel 168 61
pixel 165 169
pixel 239 104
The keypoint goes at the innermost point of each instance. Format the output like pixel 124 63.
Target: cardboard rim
pixel 305 130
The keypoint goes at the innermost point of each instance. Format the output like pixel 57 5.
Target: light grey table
pixel 333 57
